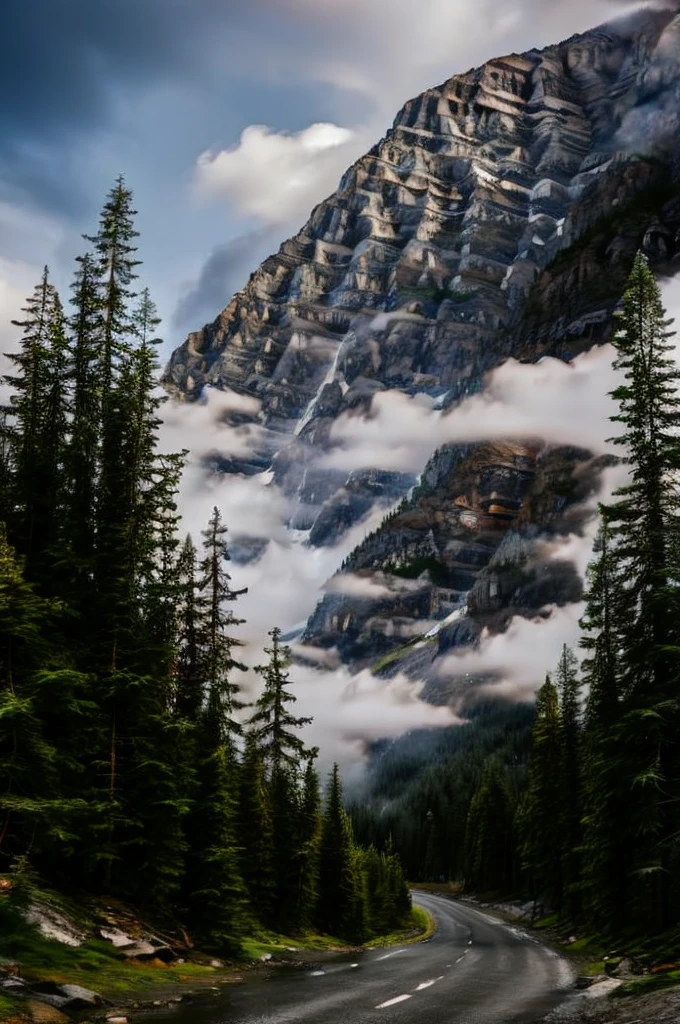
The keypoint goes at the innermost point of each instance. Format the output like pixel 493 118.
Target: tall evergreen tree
pixel 643 523
pixel 570 794
pixel 309 837
pixel 275 725
pixel 217 642
pixel 605 802
pixel 38 392
pixel 489 837
pixel 540 814
pixel 255 833
pixel 341 907
pixel 84 448
pixel 189 668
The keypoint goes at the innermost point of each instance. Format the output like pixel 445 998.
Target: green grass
pixel 650 983
pixel 547 922
pixel 95 965
pixel 10 1010
pixel 420 926
pixel 269 942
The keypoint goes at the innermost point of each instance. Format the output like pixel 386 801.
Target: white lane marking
pixel 316 974
pixel 427 984
pixel 354 965
pixel 463 956
pixel 469 942
pixel 393 1002
pixel 388 955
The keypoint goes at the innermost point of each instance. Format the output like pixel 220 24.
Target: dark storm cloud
pixel 223 273
pixel 65 66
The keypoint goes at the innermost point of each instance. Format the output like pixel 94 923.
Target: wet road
pixel 475 970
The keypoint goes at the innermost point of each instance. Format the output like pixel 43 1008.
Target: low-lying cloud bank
pixel 561 403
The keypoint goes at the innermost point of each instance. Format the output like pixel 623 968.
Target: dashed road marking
pixel 427 984
pixel 388 955
pixel 393 1002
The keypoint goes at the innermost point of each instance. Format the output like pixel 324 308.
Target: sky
pixel 230 121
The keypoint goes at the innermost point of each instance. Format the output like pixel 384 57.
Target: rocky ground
pixel 653 1008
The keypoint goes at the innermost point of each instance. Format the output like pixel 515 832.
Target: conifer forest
pixel 131 763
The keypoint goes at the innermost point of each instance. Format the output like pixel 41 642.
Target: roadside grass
pixel 420 927
pixel 98 965
pixel 95 965
pixel 650 983
pixel 10 1011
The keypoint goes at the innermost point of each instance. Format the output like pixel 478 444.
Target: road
pixel 475 970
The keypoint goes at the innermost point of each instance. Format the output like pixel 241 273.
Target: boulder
pixel 66 997
pixel 79 998
pixel 150 949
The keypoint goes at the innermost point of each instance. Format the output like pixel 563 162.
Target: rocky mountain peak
pixel 498 217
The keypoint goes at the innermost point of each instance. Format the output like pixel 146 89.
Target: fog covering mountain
pixel 497 220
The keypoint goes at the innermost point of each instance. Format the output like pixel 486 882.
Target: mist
pixel 558 402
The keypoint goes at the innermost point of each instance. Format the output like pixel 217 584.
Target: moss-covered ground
pixel 97 965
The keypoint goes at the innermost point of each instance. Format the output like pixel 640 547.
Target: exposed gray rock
pixel 79 997
pixel 497 218
pixel 54 924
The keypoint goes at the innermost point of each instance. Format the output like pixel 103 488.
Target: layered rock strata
pixel 498 217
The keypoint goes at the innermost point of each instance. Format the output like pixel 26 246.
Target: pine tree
pixel 489 838
pixel 605 803
pixel 215 893
pixel 643 523
pixel 37 393
pixel 115 266
pixel 341 907
pixel 84 448
pixel 215 638
pixel 539 818
pixel 309 838
pixel 255 833
pixel 273 722
pixel 600 637
pixel 189 669
pixel 570 793
pixel 42 707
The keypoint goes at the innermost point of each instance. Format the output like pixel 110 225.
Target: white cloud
pixel 565 403
pixel 351 711
pixel 276 176
pixel 551 399
pixel 520 657
pixel 373 587
pixel 17 281
pixel 390 50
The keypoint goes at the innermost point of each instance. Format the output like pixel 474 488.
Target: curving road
pixel 475 970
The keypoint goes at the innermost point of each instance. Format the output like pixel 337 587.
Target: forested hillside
pixel 581 812
pixel 129 763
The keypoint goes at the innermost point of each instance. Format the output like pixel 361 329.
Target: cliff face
pixel 497 218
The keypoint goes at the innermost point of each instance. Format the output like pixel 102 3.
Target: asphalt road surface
pixel 475 970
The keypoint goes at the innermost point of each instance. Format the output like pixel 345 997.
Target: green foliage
pixel 274 724
pixel 342 902
pixel 632 765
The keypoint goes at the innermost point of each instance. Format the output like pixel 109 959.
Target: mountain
pixel 498 218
